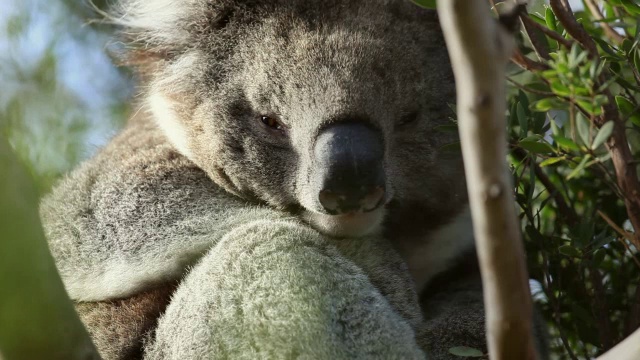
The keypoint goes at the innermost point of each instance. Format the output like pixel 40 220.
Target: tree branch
pixel 628 349
pixel 479 48
pixel 524 62
pixel 563 12
pixel 37 318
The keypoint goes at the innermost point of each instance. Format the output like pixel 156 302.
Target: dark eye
pixel 271 122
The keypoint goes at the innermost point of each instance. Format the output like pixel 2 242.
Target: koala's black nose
pixel 349 168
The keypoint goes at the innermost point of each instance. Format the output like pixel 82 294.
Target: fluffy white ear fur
pixel 166 115
pixel 163 96
pixel 157 21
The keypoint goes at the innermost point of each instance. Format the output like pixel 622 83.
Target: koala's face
pixel 328 109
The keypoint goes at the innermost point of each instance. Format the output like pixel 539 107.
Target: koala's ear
pixel 157 30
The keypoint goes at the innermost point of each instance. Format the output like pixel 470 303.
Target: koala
pixel 284 143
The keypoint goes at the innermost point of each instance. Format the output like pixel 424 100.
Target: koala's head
pixel 326 108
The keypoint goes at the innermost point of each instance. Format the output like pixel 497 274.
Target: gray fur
pixel 291 296
pixel 196 191
pixel 166 201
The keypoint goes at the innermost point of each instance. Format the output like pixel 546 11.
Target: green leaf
pixel 465 351
pixel 566 143
pixel 600 100
pixel 627 108
pixel 636 59
pixel 524 100
pixel 569 250
pixel 583 126
pixel 606 47
pixel 534 137
pixel 602 135
pixel 547 104
pixel 536 147
pixel 550 19
pixel 522 120
pixel 631 7
pixel 551 161
pixel 429 4
pixel 624 104
pixel 560 89
pixel 580 167
pixel 590 107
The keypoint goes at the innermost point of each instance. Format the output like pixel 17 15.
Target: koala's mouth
pixel 352 224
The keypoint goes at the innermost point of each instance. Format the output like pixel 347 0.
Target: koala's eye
pixel 271 122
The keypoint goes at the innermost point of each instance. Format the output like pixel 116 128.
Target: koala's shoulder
pixel 137 165
pixel 138 180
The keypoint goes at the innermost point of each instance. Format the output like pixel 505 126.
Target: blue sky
pixel 83 68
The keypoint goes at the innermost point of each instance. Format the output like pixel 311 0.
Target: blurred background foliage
pixel 61 98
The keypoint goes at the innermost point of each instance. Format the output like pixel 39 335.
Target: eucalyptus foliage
pixel 572 207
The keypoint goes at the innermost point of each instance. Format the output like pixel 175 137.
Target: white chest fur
pixel 436 254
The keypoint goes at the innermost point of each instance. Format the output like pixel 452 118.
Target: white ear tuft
pixel 168 119
pixel 157 21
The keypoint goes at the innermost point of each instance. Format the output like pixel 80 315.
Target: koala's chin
pixel 355 224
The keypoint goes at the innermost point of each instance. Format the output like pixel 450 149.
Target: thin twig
pixel 550 33
pixel 529 89
pixel 627 235
pixel 608 30
pixel 524 62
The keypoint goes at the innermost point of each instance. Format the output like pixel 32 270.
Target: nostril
pixel 357 201
pixel 330 201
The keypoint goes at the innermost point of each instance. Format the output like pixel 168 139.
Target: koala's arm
pixel 279 289
pixel 136 216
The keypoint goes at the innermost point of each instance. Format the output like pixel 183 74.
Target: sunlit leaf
pixel 551 161
pixel 550 19
pixel 547 104
pixel 580 167
pixel 566 143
